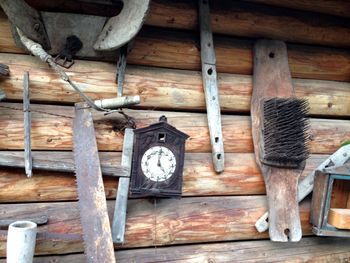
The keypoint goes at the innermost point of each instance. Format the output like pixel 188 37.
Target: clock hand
pixel 159 156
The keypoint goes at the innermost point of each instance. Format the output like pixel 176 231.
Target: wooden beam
pixel 52 129
pixel 170 221
pixel 246 19
pixel 241 177
pixel 253 20
pixel 164 48
pixel 334 7
pixel 161 88
pixel 310 249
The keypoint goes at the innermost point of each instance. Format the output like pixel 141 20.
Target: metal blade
pixel 92 200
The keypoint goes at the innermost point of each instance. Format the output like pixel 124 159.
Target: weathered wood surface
pixel 339 218
pixel 52 129
pixel 58 162
pixel 241 177
pixel 272 79
pixel 310 249
pixel 333 7
pixel 162 48
pixel 170 221
pixel 252 20
pixel 160 88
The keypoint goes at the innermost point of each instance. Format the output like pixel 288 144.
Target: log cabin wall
pixel 214 221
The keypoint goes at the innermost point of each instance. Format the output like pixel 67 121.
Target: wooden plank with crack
pixel 179 50
pixel 52 129
pixel 161 88
pixel 242 177
pixel 310 249
pixel 188 220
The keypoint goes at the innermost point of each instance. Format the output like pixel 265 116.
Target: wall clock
pixel 158 160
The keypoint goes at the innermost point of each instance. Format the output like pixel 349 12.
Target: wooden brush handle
pixel 272 79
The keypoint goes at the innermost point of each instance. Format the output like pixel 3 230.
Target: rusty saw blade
pixel 92 200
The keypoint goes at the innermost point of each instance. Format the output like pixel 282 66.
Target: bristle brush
pixel 280 131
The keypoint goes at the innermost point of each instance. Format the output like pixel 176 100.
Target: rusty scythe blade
pixel 92 200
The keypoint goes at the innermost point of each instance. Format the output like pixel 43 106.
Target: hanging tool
pixel 103 34
pixel 119 217
pixel 280 136
pixel 209 76
pixel 28 160
pixel 92 199
pixel 37 50
pixel 306 185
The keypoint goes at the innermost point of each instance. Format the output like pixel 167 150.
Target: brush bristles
pixel 286 132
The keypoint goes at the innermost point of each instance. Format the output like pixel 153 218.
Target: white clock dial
pixel 158 163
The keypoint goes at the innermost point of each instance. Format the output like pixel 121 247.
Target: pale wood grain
pixel 165 48
pixel 241 177
pixel 160 88
pixel 251 20
pixel 50 131
pixel 171 221
pixel 311 249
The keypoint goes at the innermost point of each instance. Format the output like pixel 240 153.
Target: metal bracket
pixel 209 76
pixel 306 185
pixel 28 160
pixel 119 218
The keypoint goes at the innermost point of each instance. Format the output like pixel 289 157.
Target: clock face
pixel 158 163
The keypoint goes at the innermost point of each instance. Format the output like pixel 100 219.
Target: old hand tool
pixel 92 200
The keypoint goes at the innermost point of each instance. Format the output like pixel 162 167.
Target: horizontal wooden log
pixel 181 51
pixel 159 88
pixel 166 222
pixel 241 177
pixel 334 7
pixel 52 129
pixel 257 21
pixel 243 19
pixel 309 249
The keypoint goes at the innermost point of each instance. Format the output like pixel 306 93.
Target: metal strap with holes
pixel 210 86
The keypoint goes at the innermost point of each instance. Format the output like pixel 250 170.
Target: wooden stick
pixel 210 86
pixel 119 217
pixel 28 160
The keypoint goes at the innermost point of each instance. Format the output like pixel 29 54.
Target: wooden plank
pixel 210 85
pixel 311 249
pixel 55 161
pixel 339 218
pixel 170 221
pixel 334 7
pixel 161 48
pixel 160 88
pixel 28 160
pixel 52 129
pixel 257 21
pixel 241 177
